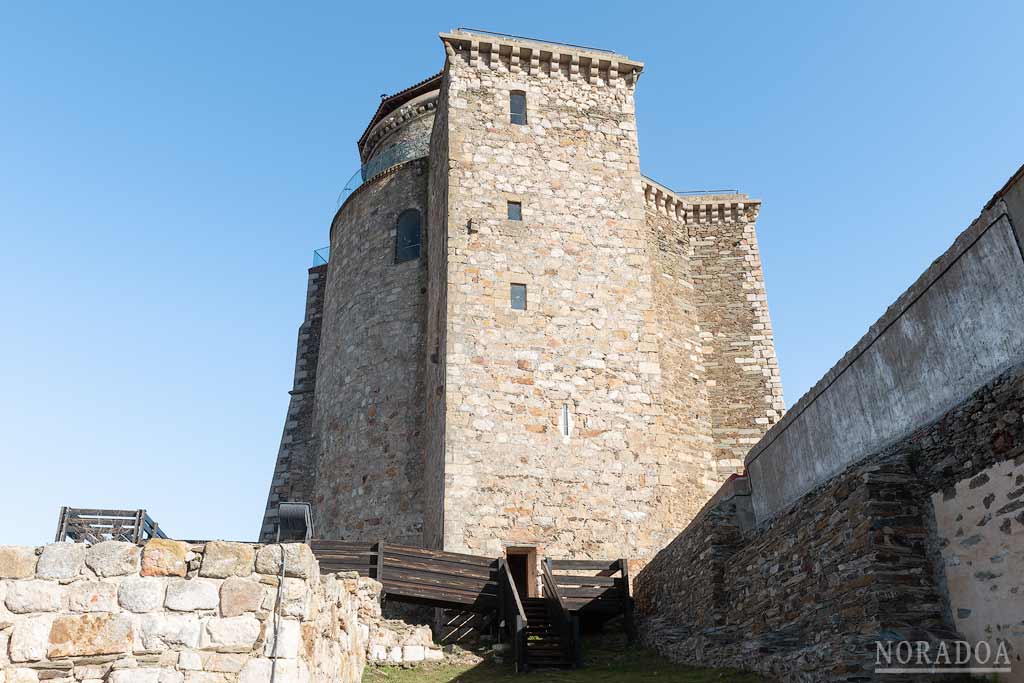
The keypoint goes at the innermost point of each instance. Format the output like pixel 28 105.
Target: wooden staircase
pixel 541 632
pixel 545 648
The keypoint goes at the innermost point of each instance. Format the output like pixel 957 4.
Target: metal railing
pixel 389 158
pixel 535 40
pixel 90 525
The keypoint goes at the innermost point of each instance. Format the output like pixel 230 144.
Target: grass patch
pixel 601 664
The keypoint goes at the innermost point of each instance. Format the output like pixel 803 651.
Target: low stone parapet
pixel 176 612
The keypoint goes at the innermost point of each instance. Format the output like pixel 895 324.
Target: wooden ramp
pixel 417 575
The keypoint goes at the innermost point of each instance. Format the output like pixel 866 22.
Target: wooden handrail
pixel 513 614
pixel 567 623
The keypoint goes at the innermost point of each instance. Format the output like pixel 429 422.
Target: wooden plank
pixel 458 558
pixel 318 545
pixel 354 556
pixel 595 592
pixel 333 566
pixel 400 590
pixel 567 580
pixel 590 565
pixel 440 581
pixel 465 571
pixel 433 572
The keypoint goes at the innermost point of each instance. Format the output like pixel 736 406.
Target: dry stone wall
pixel 174 612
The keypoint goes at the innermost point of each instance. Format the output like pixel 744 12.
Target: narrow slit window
pixel 515 211
pixel 565 420
pixel 407 236
pixel 518 297
pixel 517 107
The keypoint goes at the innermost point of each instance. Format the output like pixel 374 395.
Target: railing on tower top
pixel 321 256
pixel 387 159
pixel 535 40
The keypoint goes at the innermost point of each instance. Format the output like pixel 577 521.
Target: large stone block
pixel 299 560
pixel 221 662
pixel 295 596
pixel 92 596
pixel 90 634
pixel 17 562
pixel 160 631
pixel 237 634
pixel 143 594
pixel 188 595
pixel 288 671
pixel 24 597
pixel 29 638
pixel 238 596
pixel 163 557
pixel 113 558
pixel 288 639
pixel 222 559
pixel 61 561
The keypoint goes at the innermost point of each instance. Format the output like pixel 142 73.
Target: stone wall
pixel 175 612
pixel 297 455
pixel 744 388
pixel 917 540
pixel 369 397
pixel 587 339
pixel 720 377
pixel 952 331
pixel 596 422
pixel 436 349
pixel 404 134
pixel 920 540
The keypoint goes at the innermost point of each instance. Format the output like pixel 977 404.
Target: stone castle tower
pixel 519 340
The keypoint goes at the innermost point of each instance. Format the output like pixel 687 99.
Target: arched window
pixel 517 107
pixel 407 236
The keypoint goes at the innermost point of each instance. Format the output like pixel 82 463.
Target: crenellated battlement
pixel 707 208
pixel 546 60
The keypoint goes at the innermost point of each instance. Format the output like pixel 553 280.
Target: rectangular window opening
pixel 515 211
pixel 564 422
pixel 517 107
pixel 518 297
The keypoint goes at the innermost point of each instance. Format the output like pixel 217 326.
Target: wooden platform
pixel 417 575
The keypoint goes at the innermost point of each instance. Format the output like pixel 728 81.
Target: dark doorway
pixel 517 564
pixel 522 565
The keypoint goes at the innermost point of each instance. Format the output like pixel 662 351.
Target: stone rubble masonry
pixel 370 378
pixel 922 540
pixel 615 328
pixel 297 454
pixel 439 410
pixel 919 539
pixel 75 613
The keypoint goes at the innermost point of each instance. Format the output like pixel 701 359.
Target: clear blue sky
pixel 166 171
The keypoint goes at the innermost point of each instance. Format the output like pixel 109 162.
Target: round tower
pixel 370 376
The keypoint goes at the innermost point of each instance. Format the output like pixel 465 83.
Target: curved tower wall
pixel 370 374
